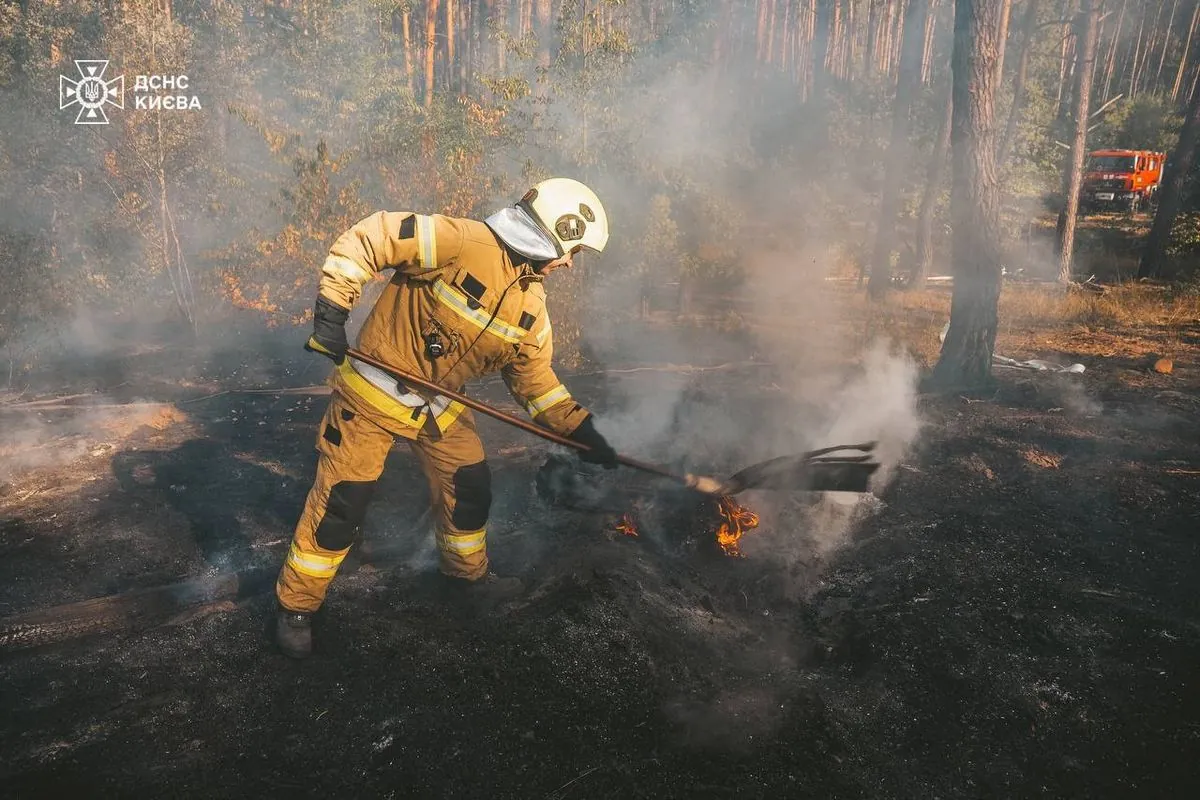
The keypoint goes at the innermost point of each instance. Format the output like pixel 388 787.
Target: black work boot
pixel 293 633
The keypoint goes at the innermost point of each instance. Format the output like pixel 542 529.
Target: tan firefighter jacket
pixel 454 279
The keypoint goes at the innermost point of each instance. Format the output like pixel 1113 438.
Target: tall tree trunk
pixel 907 82
pixel 1187 46
pixel 1089 13
pixel 966 358
pixel 542 31
pixel 1005 12
pixel 1028 31
pixel 933 187
pixel 1162 54
pixel 451 67
pixel 1112 51
pixel 1170 197
pixel 822 33
pixel 1064 61
pixel 406 32
pixel 927 49
pixel 500 20
pixel 431 13
pixel 873 35
pixel 1137 56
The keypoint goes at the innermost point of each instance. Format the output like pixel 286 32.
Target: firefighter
pixel 466 299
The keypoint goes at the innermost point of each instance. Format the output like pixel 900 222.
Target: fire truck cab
pixel 1120 179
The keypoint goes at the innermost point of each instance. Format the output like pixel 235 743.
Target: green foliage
pixel 1149 122
pixel 315 116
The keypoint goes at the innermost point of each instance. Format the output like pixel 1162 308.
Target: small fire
pixel 738 520
pixel 627 525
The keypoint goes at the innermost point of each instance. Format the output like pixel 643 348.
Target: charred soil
pixel 1015 616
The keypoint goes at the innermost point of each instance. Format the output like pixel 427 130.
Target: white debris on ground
pixel 1033 364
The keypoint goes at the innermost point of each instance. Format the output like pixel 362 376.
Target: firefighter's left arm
pixel 532 382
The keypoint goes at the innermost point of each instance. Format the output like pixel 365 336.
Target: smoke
pixel 32 440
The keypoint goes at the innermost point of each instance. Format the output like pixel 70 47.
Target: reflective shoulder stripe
pixel 456 301
pixel 346 268
pixel 426 242
pixel 464 544
pixel 314 564
pixel 544 333
pixel 543 402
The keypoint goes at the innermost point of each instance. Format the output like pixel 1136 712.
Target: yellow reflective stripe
pixel 543 333
pixel 426 242
pixel 465 544
pixel 346 268
pixel 445 418
pixel 314 564
pixel 445 411
pixel 456 301
pixel 544 401
pixel 381 400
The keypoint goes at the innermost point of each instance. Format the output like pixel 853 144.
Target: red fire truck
pixel 1120 179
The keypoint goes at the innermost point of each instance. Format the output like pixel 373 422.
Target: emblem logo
pixel 91 92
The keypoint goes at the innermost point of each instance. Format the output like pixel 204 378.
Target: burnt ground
pixel 1018 616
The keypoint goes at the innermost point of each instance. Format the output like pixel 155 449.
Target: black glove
pixel 329 331
pixel 599 451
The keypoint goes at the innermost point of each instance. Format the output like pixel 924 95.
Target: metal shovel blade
pixel 809 472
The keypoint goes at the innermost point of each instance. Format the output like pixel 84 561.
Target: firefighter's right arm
pixel 410 243
pixel 532 382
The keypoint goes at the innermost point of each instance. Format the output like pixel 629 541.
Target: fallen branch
pixel 172 604
pixel 141 608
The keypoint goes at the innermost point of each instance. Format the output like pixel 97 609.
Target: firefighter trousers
pixel 352 450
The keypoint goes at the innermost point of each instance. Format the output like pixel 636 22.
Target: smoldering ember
pixel 600 399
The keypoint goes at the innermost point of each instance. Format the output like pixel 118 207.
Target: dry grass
pixel 1132 321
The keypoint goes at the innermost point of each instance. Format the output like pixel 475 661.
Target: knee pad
pixel 472 496
pixel 344 514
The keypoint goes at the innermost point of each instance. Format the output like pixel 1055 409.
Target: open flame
pixel 627 526
pixel 738 520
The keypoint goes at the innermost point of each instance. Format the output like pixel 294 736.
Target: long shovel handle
pixel 516 422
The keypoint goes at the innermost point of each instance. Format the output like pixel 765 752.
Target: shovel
pixel 816 471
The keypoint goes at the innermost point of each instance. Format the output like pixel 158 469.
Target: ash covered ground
pixel 1016 615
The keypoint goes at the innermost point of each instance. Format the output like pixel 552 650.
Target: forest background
pixel 721 135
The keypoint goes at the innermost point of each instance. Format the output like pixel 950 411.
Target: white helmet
pixel 569 212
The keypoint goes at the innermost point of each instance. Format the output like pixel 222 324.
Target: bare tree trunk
pixel 760 30
pixel 933 186
pixel 1028 31
pixel 907 83
pixel 542 31
pixel 873 16
pixel 1162 54
pixel 927 50
pixel 1137 57
pixel 431 9
pixel 406 31
pixel 450 65
pixel 820 45
pixel 1112 51
pixel 1187 46
pixel 1064 62
pixel 1170 196
pixel 1005 13
pixel 1089 13
pixel 501 22
pixel 966 358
